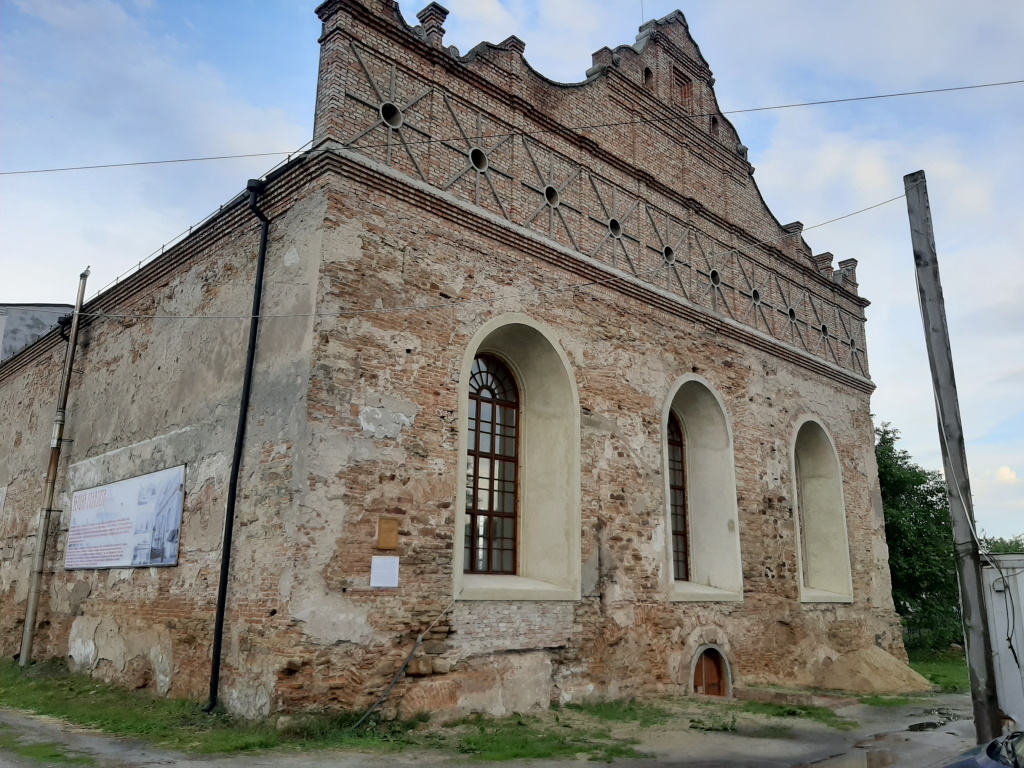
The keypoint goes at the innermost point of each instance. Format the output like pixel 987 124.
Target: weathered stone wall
pixel 380 272
pixel 623 637
pixel 150 393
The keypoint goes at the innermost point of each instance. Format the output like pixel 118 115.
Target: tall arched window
pixel 518 507
pixel 701 538
pixel 821 518
pixel 492 468
pixel 677 501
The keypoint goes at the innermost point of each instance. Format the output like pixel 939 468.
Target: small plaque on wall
pixel 387 533
pixel 383 571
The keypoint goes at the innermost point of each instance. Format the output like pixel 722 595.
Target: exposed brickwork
pixel 355 412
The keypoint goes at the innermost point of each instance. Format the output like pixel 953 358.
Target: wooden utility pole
pixel 35 588
pixel 954 462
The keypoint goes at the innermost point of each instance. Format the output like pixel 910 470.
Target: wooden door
pixel 709 674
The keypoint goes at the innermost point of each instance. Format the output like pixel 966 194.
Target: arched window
pixel 702 539
pixel 519 497
pixel 648 79
pixel 683 93
pixel 492 468
pixel 821 518
pixel 677 500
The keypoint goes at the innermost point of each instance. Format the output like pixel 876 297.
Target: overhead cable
pixel 445 305
pixel 659 119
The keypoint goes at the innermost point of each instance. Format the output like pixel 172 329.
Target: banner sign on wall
pixel 132 523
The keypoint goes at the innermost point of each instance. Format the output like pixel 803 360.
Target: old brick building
pixel 618 413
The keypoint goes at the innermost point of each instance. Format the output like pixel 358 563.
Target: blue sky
pixel 96 81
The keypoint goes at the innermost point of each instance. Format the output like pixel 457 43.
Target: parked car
pixel 1005 751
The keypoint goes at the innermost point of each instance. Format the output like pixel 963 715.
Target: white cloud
pixel 92 81
pixel 1006 476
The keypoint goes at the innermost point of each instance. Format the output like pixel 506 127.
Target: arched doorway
pixel 709 674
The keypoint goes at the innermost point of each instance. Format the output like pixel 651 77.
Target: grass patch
pixel 48 688
pixel 522 738
pixel 43 752
pixel 822 715
pixel 773 731
pixel 888 701
pixel 946 669
pixel 714 721
pixel 645 715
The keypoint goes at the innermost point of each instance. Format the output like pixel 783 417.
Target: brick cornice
pixel 285 184
pixel 350 165
pixel 545 123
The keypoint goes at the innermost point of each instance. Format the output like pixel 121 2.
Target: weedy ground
pixel 946 669
pixel 599 731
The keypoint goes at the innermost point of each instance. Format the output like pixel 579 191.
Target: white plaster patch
pixel 115 575
pixel 284 584
pixel 213 467
pixel 384 416
pixel 291 257
pixel 81 643
pixel 163 668
pixel 94 471
pixel 249 701
pixel 330 618
pixel 110 643
pixel 623 616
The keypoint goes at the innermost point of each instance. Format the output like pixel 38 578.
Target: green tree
pixel 997 545
pixel 920 537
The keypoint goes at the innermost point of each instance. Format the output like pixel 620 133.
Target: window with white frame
pixel 703 545
pixel 824 551
pixel 519 498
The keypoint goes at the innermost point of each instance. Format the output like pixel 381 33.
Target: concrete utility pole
pixel 954 461
pixel 38 557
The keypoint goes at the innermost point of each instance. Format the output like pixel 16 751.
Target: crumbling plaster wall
pixel 151 393
pixel 624 637
pixel 355 413
pixel 406 229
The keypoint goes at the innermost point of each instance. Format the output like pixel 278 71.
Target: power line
pixel 662 119
pixel 445 305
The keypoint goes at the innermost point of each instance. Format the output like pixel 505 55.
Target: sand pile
pixel 870 670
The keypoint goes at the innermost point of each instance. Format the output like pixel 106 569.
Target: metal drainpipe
pixel 38 557
pixel 255 187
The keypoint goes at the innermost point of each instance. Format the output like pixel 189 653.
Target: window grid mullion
pixel 495 549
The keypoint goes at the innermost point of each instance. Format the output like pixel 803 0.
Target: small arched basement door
pixel 709 674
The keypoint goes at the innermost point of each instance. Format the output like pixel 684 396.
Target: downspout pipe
pixel 255 187
pixel 39 556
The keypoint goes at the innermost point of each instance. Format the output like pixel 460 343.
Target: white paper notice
pixel 383 571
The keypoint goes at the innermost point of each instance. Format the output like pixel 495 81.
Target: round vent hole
pixel 755 296
pixel 478 158
pixel 669 254
pixel 551 195
pixel 391 115
pixel 716 278
pixel 614 228
pixel 792 314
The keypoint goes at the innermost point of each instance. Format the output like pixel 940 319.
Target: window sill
pixel 690 592
pixel 808 595
pixel 493 587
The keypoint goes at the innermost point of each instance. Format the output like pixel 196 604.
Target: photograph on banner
pixel 133 523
